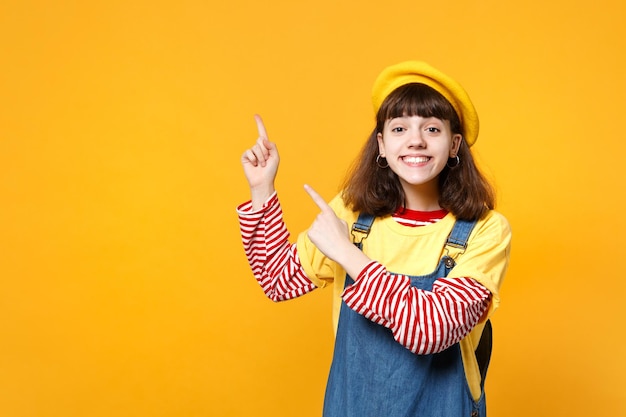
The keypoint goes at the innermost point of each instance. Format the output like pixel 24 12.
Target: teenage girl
pixel 412 245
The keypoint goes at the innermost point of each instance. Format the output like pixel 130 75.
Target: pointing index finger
pixel 317 199
pixel 260 126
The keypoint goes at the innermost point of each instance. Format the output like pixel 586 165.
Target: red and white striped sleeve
pixel 274 261
pixel 424 322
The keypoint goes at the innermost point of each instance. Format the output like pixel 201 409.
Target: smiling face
pixel 417 130
pixel 417 150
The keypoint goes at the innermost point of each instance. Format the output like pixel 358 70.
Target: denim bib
pixel 372 375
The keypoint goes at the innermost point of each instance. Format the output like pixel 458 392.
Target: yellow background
pixel 124 290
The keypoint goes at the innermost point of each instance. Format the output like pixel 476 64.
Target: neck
pixel 422 197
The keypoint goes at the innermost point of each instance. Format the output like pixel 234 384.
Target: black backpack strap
pixel 483 351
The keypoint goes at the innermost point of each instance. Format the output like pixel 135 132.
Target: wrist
pixel 260 195
pixel 353 260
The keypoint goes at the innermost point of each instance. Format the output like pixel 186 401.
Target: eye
pixel 398 129
pixel 433 129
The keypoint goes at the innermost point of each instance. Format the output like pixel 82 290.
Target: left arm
pixel 423 321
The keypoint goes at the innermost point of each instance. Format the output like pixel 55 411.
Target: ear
pixel 381 144
pixel 456 144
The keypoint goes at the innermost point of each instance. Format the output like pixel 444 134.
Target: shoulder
pixel 495 219
pixel 341 210
pixel 493 226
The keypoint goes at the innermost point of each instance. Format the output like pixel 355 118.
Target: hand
pixel 328 232
pixel 331 236
pixel 260 165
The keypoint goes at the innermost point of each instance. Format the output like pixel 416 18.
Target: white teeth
pixel 415 159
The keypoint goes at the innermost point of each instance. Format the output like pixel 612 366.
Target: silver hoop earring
pixel 458 162
pixel 379 164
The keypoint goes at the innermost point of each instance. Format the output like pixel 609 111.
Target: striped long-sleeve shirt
pixel 424 322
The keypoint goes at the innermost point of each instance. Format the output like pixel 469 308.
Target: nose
pixel 416 139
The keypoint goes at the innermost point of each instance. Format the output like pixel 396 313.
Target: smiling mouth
pixel 415 159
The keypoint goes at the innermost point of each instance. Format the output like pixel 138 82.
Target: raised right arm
pixel 274 261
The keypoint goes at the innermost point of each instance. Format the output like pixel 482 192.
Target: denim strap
pixel 460 234
pixel 362 226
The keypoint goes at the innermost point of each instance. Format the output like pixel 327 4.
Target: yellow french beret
pixel 420 72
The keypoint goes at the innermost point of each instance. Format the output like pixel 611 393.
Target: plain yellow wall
pixel 124 290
